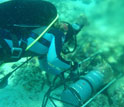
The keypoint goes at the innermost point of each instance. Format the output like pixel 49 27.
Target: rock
pixel 100 101
pixel 116 93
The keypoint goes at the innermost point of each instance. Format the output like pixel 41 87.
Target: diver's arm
pixel 54 57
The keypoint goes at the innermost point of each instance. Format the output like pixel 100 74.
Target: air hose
pixel 50 25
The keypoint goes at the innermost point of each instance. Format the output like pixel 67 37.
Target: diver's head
pixel 27 14
pixel 66 28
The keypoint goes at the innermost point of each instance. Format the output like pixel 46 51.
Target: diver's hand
pixel 74 65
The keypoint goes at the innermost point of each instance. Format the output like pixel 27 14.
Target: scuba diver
pixel 21 22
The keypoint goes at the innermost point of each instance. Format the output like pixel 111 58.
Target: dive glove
pixel 74 65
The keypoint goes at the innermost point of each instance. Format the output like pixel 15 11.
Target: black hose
pixel 4 80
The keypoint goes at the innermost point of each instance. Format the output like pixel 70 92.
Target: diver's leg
pixel 46 67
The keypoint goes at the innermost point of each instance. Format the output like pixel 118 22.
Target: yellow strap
pixel 42 33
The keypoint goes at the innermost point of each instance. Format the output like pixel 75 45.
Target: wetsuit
pixel 19 16
pixel 48 48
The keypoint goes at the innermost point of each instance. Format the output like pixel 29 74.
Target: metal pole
pixel 110 83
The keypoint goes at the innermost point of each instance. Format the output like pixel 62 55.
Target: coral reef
pixel 104 32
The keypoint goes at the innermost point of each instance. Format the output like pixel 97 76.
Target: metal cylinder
pixel 81 91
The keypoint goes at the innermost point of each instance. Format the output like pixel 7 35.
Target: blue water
pixel 104 31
